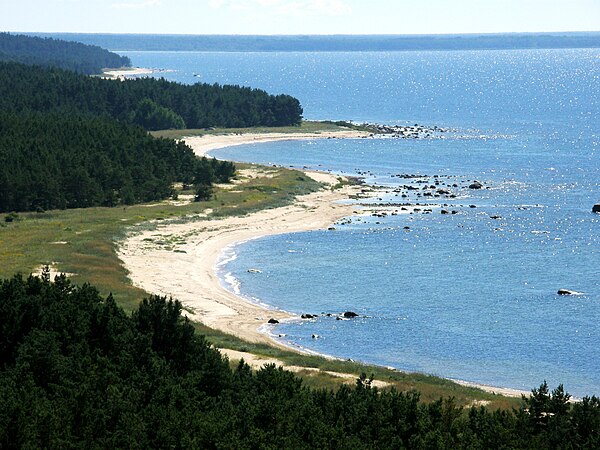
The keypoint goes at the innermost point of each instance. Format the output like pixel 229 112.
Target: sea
pixel 469 295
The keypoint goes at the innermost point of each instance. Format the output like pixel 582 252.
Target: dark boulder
pixel 567 292
pixel 273 321
pixel 596 208
pixel 349 314
pixel 476 185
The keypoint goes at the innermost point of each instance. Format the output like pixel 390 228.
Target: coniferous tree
pixel 152 103
pixel 52 161
pixel 77 372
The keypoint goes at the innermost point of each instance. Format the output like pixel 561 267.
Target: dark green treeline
pixel 77 372
pixel 53 161
pixel 88 59
pixel 68 140
pixel 149 102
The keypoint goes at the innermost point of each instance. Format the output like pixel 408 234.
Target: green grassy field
pixel 83 242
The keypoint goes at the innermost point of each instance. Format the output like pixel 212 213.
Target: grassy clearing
pixel 83 241
pixel 306 126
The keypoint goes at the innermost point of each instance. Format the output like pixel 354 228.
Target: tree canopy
pixel 68 140
pixel 77 372
pixel 149 102
pixel 88 59
pixel 52 161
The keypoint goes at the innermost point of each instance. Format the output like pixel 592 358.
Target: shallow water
pixel 466 295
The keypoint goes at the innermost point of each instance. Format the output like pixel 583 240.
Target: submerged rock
pixel 476 185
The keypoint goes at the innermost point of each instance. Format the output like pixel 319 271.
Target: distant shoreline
pixel 335 43
pixel 125 72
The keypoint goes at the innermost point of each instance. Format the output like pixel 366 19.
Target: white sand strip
pixel 204 144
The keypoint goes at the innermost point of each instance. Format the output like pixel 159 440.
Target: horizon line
pixel 494 33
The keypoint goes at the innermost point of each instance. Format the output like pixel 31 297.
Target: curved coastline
pixel 190 275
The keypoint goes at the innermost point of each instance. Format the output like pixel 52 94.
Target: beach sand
pixel 121 74
pixel 204 144
pixel 189 274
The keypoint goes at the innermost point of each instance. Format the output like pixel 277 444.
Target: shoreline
pixel 190 274
pixel 202 145
pixel 123 73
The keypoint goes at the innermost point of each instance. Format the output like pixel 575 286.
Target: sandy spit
pixel 121 74
pixel 204 144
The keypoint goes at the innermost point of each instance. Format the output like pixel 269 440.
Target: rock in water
pixel 476 185
pixel 350 314
pixel 273 321
pixel 596 208
pixel 567 292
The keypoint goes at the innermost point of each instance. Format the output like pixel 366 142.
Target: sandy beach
pixel 189 273
pixel 204 144
pixel 121 74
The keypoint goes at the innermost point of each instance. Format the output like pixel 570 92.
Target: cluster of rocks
pixel 426 187
pixel 417 196
pixel 341 316
pixel 344 315
pixel 415 131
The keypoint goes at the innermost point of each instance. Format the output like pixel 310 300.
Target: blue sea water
pixel 464 296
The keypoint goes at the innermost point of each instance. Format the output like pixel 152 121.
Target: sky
pixel 299 16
